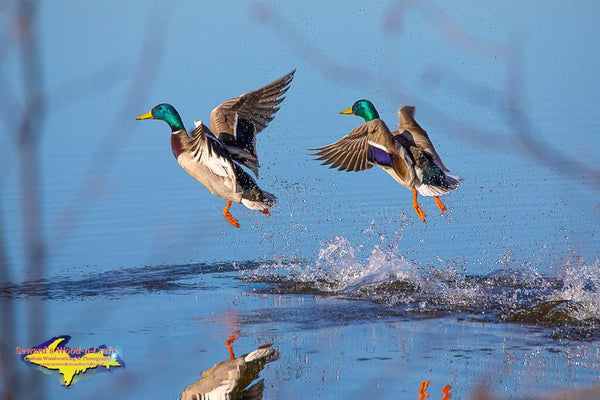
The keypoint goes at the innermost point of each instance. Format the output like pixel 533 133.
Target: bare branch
pixel 29 170
pixel 527 135
pixel 8 372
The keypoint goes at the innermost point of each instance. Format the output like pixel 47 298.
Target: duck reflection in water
pixel 233 379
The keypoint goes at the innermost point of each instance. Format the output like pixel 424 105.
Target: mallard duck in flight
pixel 215 155
pixel 406 154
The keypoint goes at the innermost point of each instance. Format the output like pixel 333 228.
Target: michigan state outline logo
pixel 71 364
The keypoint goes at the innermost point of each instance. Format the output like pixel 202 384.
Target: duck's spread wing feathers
pixel 367 145
pixel 350 153
pixel 412 131
pixel 237 121
pixel 256 107
pixel 206 149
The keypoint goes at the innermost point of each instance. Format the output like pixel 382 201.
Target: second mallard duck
pixel 406 154
pixel 214 155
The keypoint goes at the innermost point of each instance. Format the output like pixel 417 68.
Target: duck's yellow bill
pixel 348 111
pixel 148 115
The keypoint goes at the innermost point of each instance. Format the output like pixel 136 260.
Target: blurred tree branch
pixel 24 116
pixel 452 30
pixel 25 123
pixel 29 165
pixel 8 372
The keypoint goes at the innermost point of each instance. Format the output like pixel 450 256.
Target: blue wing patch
pixel 379 156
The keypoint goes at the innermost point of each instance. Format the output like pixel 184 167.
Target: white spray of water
pixel 581 285
pixel 338 269
pixel 343 268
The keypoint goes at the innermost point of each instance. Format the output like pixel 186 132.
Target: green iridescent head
pixel 363 108
pixel 164 112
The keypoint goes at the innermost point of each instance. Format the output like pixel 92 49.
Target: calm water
pixel 357 296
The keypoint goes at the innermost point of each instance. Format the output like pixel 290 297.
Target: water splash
pixel 378 272
pixel 569 301
pixel 581 286
pixel 339 269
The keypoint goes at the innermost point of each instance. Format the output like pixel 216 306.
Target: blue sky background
pixel 450 61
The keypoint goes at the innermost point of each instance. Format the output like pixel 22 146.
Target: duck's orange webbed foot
pixel 423 390
pixel 266 212
pixel 420 213
pixel 446 392
pixel 417 207
pixel 439 203
pixel 229 217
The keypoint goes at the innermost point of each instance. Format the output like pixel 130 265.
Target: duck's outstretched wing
pixel 237 121
pixel 412 131
pixel 350 153
pixel 368 144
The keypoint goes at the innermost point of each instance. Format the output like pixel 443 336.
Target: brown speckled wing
pixel 350 153
pixel 237 121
